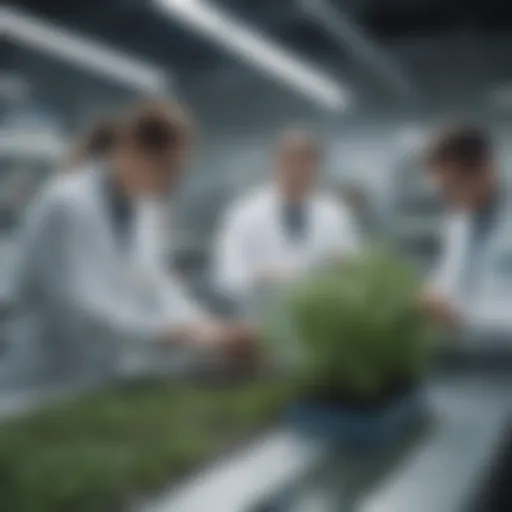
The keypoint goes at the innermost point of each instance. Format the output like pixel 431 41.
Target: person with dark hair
pixel 92 268
pixel 471 289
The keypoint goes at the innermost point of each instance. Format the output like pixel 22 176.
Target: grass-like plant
pixel 360 334
pixel 100 452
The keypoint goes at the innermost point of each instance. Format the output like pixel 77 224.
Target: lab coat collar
pixel 501 202
pixel 277 206
pixel 277 198
pixel 119 207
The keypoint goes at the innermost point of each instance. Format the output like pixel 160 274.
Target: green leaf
pixel 356 324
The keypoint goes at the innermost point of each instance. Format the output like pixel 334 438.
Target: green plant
pixel 358 329
pixel 100 451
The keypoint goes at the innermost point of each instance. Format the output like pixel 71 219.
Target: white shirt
pixel 252 238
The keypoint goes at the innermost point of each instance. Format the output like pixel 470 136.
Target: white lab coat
pixel 91 301
pixel 252 239
pixel 487 316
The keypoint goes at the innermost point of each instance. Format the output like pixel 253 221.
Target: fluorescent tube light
pixel 97 58
pixel 255 48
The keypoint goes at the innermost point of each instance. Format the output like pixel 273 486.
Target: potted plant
pixel 363 346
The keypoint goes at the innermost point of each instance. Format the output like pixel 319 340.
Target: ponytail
pixel 97 143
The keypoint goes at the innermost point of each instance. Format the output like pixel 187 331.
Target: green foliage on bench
pixel 358 328
pixel 99 452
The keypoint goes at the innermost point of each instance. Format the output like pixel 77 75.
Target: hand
pixel 240 345
pixel 439 308
pixel 202 333
pixel 235 343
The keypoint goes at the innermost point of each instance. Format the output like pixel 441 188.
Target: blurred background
pixel 369 77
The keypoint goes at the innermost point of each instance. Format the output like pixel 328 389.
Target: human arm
pixel 482 315
pixel 78 276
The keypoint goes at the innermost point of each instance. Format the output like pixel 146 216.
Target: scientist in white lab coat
pixel 278 231
pixel 471 289
pixel 91 269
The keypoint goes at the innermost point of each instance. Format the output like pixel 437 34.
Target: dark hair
pixel 96 143
pixel 157 126
pixel 153 126
pixel 465 144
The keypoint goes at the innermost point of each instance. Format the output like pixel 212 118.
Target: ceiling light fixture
pixel 80 51
pixel 254 47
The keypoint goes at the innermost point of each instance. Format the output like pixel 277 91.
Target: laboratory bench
pixel 458 460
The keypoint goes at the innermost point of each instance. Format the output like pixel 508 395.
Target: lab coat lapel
pixel 293 252
pixel 129 265
pixel 276 242
pixel 117 243
pixel 104 201
pixel 457 250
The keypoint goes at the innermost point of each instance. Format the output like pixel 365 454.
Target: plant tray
pixel 359 428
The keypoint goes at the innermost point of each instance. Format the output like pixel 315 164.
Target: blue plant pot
pixel 368 428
